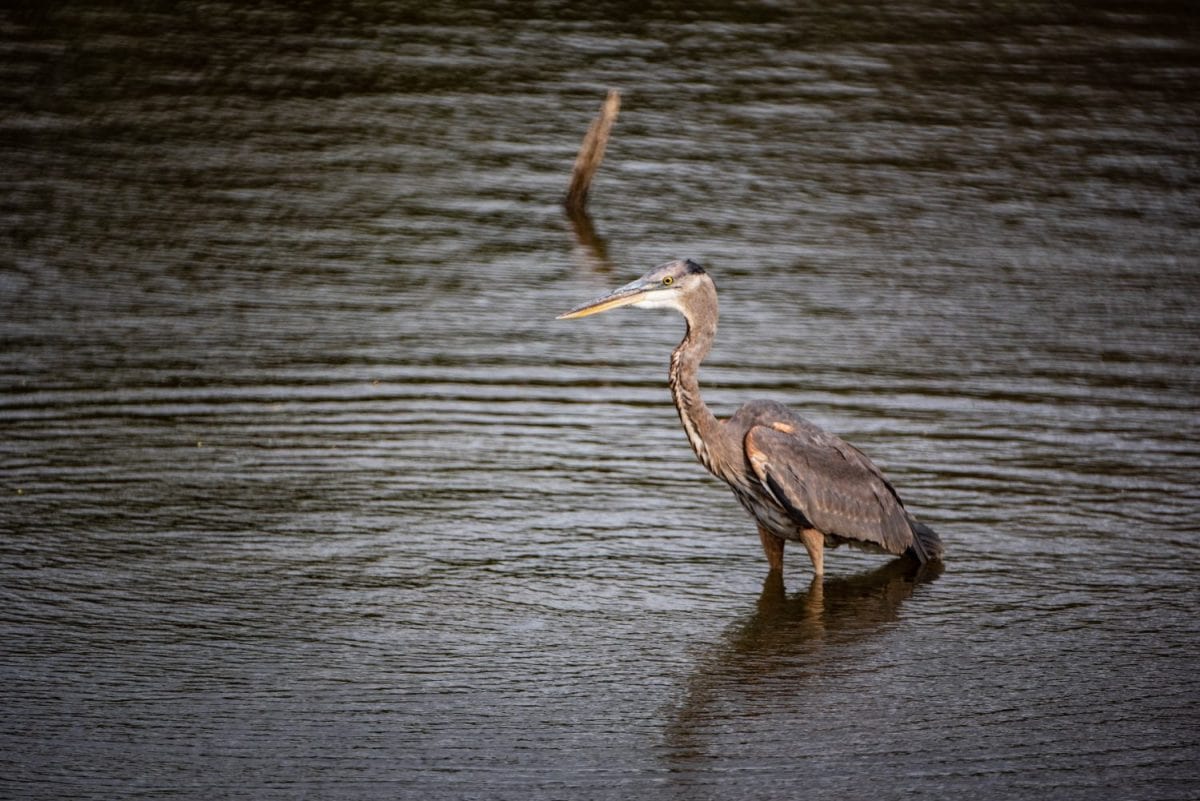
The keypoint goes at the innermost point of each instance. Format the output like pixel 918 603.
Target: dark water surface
pixel 305 493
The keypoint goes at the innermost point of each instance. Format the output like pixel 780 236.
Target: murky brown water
pixel 306 493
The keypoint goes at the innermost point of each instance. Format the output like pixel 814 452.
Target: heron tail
pixel 926 545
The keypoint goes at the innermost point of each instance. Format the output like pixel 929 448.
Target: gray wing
pixel 824 481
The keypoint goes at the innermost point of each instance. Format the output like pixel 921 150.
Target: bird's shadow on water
pixel 764 661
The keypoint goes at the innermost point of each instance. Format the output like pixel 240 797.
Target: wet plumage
pixel 799 482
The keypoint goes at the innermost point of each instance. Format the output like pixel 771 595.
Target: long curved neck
pixel 699 424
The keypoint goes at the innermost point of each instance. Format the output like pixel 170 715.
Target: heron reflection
pixel 791 639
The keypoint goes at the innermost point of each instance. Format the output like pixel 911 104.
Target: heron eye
pixel 668 280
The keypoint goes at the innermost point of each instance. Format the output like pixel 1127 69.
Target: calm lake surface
pixel 304 492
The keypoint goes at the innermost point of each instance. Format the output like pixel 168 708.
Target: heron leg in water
pixel 773 548
pixel 814 543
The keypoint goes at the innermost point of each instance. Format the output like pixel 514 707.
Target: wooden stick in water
pixel 591 153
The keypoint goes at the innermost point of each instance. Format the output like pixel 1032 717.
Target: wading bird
pixel 798 481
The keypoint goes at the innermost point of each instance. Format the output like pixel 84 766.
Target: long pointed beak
pixel 626 295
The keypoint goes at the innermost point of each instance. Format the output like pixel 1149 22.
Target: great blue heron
pixel 797 480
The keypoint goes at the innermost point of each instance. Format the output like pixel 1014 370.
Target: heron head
pixel 663 287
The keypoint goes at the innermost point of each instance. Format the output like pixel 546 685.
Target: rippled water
pixel 305 491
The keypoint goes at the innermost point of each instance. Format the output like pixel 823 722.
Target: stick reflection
pixel 589 246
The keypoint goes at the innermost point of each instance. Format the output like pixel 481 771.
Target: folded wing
pixel 825 483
